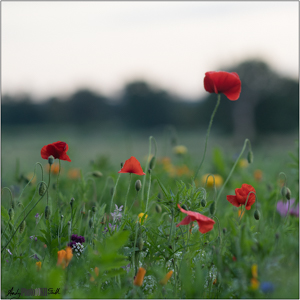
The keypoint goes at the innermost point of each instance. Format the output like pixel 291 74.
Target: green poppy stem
pixel 207 134
pixel 127 192
pixel 114 192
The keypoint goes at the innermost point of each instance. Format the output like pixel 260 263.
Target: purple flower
pixel 37 215
pixel 126 268
pixel 117 213
pixel 282 208
pixel 267 287
pixel 9 251
pixel 76 239
pixel 111 227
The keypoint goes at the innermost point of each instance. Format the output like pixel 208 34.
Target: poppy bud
pixel 94 209
pixel 11 214
pixel 122 165
pixel 152 163
pixel 224 230
pixel 158 197
pixel 283 191
pixel 61 217
pixel 140 243
pixel 50 160
pixel 256 215
pixel 71 201
pixel 184 207
pixel 138 185
pixel 203 203
pixel 42 188
pixel 91 222
pixel 97 174
pixel 212 208
pixel 22 227
pixel 158 208
pixel 47 212
pixel 250 157
pixel 288 194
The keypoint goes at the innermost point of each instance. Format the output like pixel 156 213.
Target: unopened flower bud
pixel 203 202
pixel 122 164
pixel 138 185
pixel 11 214
pixel 71 201
pixel 47 212
pixel 140 243
pixel 61 217
pixel 256 214
pixel 42 188
pixel 286 193
pixel 158 208
pixel 152 163
pixel 22 227
pixel 94 209
pixel 97 174
pixel 250 157
pixel 50 160
pixel 212 208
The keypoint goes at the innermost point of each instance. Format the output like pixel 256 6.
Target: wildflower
pixel 132 165
pixel 254 284
pixel 180 150
pixel 126 268
pixel 215 281
pixel 33 237
pixel 76 244
pixel 60 257
pixel 64 257
pixel 38 265
pixel 183 170
pixel 166 278
pixel 69 255
pixel 205 223
pixel 243 163
pixel 267 287
pixel 241 195
pixel 9 251
pixel 57 150
pixel 258 174
pixel 74 173
pixel 210 180
pixel 35 257
pixel 97 271
pixel 117 213
pixel 141 219
pixel 254 271
pixel 54 168
pixel 226 83
pixel 139 278
pixel 111 227
pixel 282 208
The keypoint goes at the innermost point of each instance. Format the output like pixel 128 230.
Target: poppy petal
pixel 233 200
pixel 132 165
pixel 187 220
pixel 205 226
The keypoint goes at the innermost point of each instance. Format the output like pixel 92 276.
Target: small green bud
pixel 61 217
pixel 97 174
pixel 122 164
pixel 91 222
pixel 94 209
pixel 47 212
pixel 22 227
pixel 288 194
pixel 158 208
pixel 283 191
pixel 71 201
pixel 138 185
pixel 50 160
pixel 152 163
pixel 11 214
pixel 256 214
pixel 42 188
pixel 212 208
pixel 250 157
pixel 140 243
pixel 203 202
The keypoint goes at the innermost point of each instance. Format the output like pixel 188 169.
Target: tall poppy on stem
pixel 57 150
pixel 241 196
pixel 205 223
pixel 222 82
pixel 132 165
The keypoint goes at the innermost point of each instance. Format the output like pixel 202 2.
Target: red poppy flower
pixel 205 223
pixel 57 150
pixel 226 83
pixel 241 195
pixel 132 165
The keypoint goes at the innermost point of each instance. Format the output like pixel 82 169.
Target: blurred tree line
pixel 268 103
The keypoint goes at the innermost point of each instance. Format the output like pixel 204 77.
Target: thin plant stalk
pixel 130 175
pixel 113 195
pixel 207 134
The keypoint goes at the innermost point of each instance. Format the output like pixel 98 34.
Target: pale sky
pixel 54 48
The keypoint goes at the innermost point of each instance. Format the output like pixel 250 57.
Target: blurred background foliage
pixel 268 104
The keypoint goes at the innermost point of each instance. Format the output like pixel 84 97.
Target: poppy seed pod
pixel 22 227
pixel 50 160
pixel 47 212
pixel 42 188
pixel 11 214
pixel 158 208
pixel 203 202
pixel 256 215
pixel 212 208
pixel 152 163
pixel 138 185
pixel 250 157
pixel 97 174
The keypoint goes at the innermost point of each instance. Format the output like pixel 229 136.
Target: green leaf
pixel 163 188
pixel 4 213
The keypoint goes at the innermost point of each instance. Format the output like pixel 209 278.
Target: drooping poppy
pixel 205 223
pixel 132 165
pixel 166 278
pixel 226 83
pixel 57 150
pixel 139 278
pixel 241 195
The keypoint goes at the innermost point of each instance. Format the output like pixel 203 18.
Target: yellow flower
pixel 60 257
pixel 254 284
pixel 97 271
pixel 258 175
pixel 139 278
pixel 183 170
pixel 64 257
pixel 254 270
pixel 166 278
pixel 74 173
pixel 180 150
pixel 54 168
pixel 240 211
pixel 38 265
pixel 210 181
pixel 243 163
pixel 141 215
